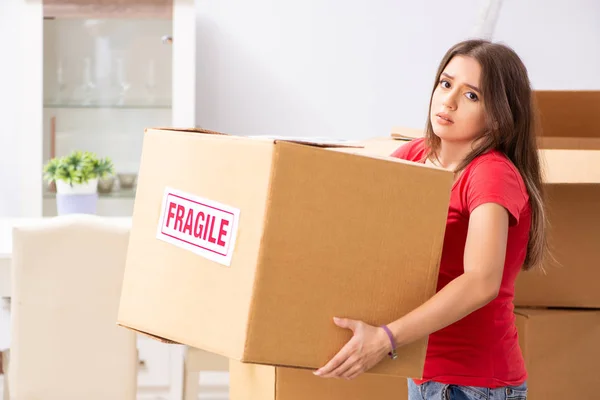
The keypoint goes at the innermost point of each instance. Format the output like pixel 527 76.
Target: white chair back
pixel 67 274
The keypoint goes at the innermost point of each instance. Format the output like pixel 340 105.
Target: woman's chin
pixel 442 131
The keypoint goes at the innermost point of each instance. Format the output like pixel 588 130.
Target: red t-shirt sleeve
pixel 409 151
pixel 497 181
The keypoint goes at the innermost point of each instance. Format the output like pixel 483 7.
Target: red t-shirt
pixel 481 349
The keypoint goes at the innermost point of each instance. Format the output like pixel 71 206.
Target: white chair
pixel 196 362
pixel 5 358
pixel 67 274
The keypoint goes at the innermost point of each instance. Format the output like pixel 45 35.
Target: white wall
pixel 322 67
pixel 20 108
pixel 558 40
pixel 354 69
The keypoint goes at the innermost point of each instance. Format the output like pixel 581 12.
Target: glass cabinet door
pixel 105 81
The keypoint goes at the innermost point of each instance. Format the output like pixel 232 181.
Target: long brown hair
pixel 513 124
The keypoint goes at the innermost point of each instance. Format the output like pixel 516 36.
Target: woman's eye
pixel 472 96
pixel 444 83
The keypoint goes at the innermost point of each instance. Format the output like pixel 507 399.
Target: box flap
pixel 315 141
pixel 524 312
pixel 151 336
pixel 191 130
pixel 570 166
pixel 400 133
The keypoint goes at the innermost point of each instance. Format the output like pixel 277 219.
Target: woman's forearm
pixel 456 300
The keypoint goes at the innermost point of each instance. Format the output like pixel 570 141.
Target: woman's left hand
pixel 368 346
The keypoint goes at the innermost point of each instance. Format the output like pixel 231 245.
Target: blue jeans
pixel 439 391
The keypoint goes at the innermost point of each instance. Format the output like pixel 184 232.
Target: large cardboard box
pixel 295 235
pixel 572 279
pixel 561 353
pixel 571 153
pixel 262 382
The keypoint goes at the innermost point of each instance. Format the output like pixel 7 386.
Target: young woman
pixel 482 126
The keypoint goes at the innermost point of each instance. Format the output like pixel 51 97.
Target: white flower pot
pixel 77 199
pixel 90 187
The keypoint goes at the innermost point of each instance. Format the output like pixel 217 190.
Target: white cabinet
pixel 93 81
pixel 90 80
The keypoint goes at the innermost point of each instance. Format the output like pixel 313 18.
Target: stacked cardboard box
pixel 571 148
pixel 248 247
pixel 559 308
pixel 261 382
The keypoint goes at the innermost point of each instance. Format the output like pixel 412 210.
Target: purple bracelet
pixel 393 355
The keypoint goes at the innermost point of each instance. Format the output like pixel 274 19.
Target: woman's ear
pixel 495 126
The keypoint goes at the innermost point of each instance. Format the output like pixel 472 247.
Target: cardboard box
pixel 570 138
pixel 574 238
pixel 571 152
pixel 298 234
pixel 561 353
pixel 261 382
pixel 568 113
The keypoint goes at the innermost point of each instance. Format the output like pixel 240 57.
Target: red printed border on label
pixel 185 241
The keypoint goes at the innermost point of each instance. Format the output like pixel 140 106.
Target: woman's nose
pixel 449 100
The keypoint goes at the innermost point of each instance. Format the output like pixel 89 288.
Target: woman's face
pixel 457 111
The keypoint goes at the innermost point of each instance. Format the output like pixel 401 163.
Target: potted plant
pixel 76 177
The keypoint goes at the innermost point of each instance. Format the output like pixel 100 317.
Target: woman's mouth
pixel 444 119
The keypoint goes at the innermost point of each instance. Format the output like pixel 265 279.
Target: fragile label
pixel 200 225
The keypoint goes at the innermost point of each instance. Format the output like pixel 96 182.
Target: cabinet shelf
pixel 115 194
pixel 110 106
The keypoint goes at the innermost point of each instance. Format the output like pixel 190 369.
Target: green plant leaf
pixel 77 168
